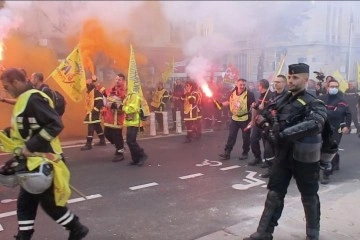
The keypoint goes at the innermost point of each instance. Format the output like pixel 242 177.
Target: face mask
pixel 333 91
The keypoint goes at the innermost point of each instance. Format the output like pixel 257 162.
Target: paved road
pixel 183 193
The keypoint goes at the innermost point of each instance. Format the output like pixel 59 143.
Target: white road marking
pixel 191 176
pixel 229 168
pixel 7 214
pixel 8 200
pixel 143 186
pixel 13 213
pixel 1 228
pixel 80 199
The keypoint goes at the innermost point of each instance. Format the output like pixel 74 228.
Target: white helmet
pixel 37 182
pixel 9 181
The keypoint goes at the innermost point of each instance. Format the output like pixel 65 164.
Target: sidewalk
pixel 339 217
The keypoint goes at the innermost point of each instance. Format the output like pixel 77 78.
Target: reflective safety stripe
pixel 32 120
pixel 69 219
pixel 301 101
pixel 44 134
pixel 34 126
pixel 96 109
pixel 64 217
pixel 26 222
pixel 26 228
pixel 19 119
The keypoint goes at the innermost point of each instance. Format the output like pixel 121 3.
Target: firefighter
pixel 190 99
pixel 136 110
pixel 113 116
pixel 159 99
pixel 94 104
pixel 44 176
pixel 339 117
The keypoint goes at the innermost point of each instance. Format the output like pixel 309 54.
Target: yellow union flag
pixel 133 83
pixel 70 75
pixel 168 72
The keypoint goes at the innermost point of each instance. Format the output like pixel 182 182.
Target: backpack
pixel 59 101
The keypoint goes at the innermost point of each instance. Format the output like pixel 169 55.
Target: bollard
pixel 178 122
pixel 152 124
pixel 165 123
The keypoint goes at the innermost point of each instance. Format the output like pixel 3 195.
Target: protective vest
pixel 94 104
pixel 158 99
pixel 190 106
pixel 238 106
pixel 135 106
pixel 61 180
pixel 114 118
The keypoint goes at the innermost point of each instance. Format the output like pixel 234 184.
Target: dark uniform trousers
pixel 115 137
pixel 233 132
pixel 27 205
pixel 306 176
pixel 255 137
pixel 136 151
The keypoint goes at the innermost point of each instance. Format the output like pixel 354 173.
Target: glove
pixel 325 166
pixel 114 106
pixel 273 137
pixel 9 167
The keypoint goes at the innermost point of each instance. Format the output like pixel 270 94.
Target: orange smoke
pixel 94 41
pixel 22 53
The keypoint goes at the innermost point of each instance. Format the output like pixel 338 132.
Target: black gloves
pixel 9 167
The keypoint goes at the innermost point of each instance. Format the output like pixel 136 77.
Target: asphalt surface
pixel 183 192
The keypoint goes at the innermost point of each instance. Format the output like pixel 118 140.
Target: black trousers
pixel 136 151
pixel 255 137
pixel 354 116
pixel 95 127
pixel 306 176
pixel 27 205
pixel 115 137
pixel 233 132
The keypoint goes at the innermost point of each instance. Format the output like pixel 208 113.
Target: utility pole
pixel 348 62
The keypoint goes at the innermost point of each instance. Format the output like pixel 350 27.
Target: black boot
pixel 255 161
pixel 102 141
pixel 225 155
pixel 87 144
pixel 24 235
pixel 324 177
pixel 312 215
pixel 119 155
pixel 268 221
pixel 77 230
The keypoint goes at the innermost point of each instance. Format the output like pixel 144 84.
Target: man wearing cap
pixel 293 124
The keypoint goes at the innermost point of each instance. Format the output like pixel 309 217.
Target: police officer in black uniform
pixel 294 122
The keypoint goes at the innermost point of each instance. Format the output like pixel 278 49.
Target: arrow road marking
pixel 252 182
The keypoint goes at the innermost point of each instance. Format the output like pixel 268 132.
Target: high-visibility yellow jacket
pixel 36 125
pixel 133 104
